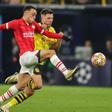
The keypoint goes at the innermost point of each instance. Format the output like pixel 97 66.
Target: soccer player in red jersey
pixel 24 29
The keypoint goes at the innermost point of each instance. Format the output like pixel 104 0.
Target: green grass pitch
pixel 66 99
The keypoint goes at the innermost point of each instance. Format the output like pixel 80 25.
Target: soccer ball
pixel 98 59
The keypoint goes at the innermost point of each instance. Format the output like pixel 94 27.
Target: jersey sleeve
pixel 9 25
pixel 47 33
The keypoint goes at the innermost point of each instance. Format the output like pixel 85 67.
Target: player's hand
pixel 44 26
pixel 66 38
pixel 62 34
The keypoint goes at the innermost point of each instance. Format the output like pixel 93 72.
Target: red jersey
pixel 24 33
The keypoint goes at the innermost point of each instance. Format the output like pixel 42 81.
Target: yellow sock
pixel 19 98
pixel 12 102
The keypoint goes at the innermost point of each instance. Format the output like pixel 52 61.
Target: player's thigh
pixel 23 79
pixel 37 81
pixel 45 54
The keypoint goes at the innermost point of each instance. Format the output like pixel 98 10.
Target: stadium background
pixel 80 22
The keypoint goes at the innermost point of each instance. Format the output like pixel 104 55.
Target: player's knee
pixel 29 91
pixel 51 53
pixel 38 86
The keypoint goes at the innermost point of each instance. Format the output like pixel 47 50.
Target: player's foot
pixel 72 72
pixel 11 79
pixel 3 109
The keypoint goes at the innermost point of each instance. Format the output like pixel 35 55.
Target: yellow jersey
pixel 43 42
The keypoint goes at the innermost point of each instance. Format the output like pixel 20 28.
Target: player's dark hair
pixel 27 8
pixel 46 11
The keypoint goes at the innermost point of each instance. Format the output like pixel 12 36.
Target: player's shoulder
pixel 35 22
pixel 18 21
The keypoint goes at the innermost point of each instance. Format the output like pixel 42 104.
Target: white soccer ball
pixel 98 59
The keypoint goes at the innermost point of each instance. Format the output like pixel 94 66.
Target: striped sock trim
pixel 3 97
pixel 20 97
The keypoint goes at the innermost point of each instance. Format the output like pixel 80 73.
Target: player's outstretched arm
pixel 57 45
pixel 2 26
pixel 48 33
pixel 9 25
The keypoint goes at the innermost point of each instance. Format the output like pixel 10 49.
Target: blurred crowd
pixel 62 2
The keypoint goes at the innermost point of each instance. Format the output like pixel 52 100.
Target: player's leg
pixel 14 77
pixel 9 93
pixel 22 81
pixel 37 78
pixel 44 54
pixel 19 98
pixel 33 84
pixel 27 62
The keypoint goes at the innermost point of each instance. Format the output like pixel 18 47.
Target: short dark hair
pixel 46 11
pixel 27 8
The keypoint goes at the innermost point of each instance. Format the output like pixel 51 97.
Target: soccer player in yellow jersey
pixel 46 48
pixel 43 42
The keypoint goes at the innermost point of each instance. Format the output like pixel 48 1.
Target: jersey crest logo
pixel 33 26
